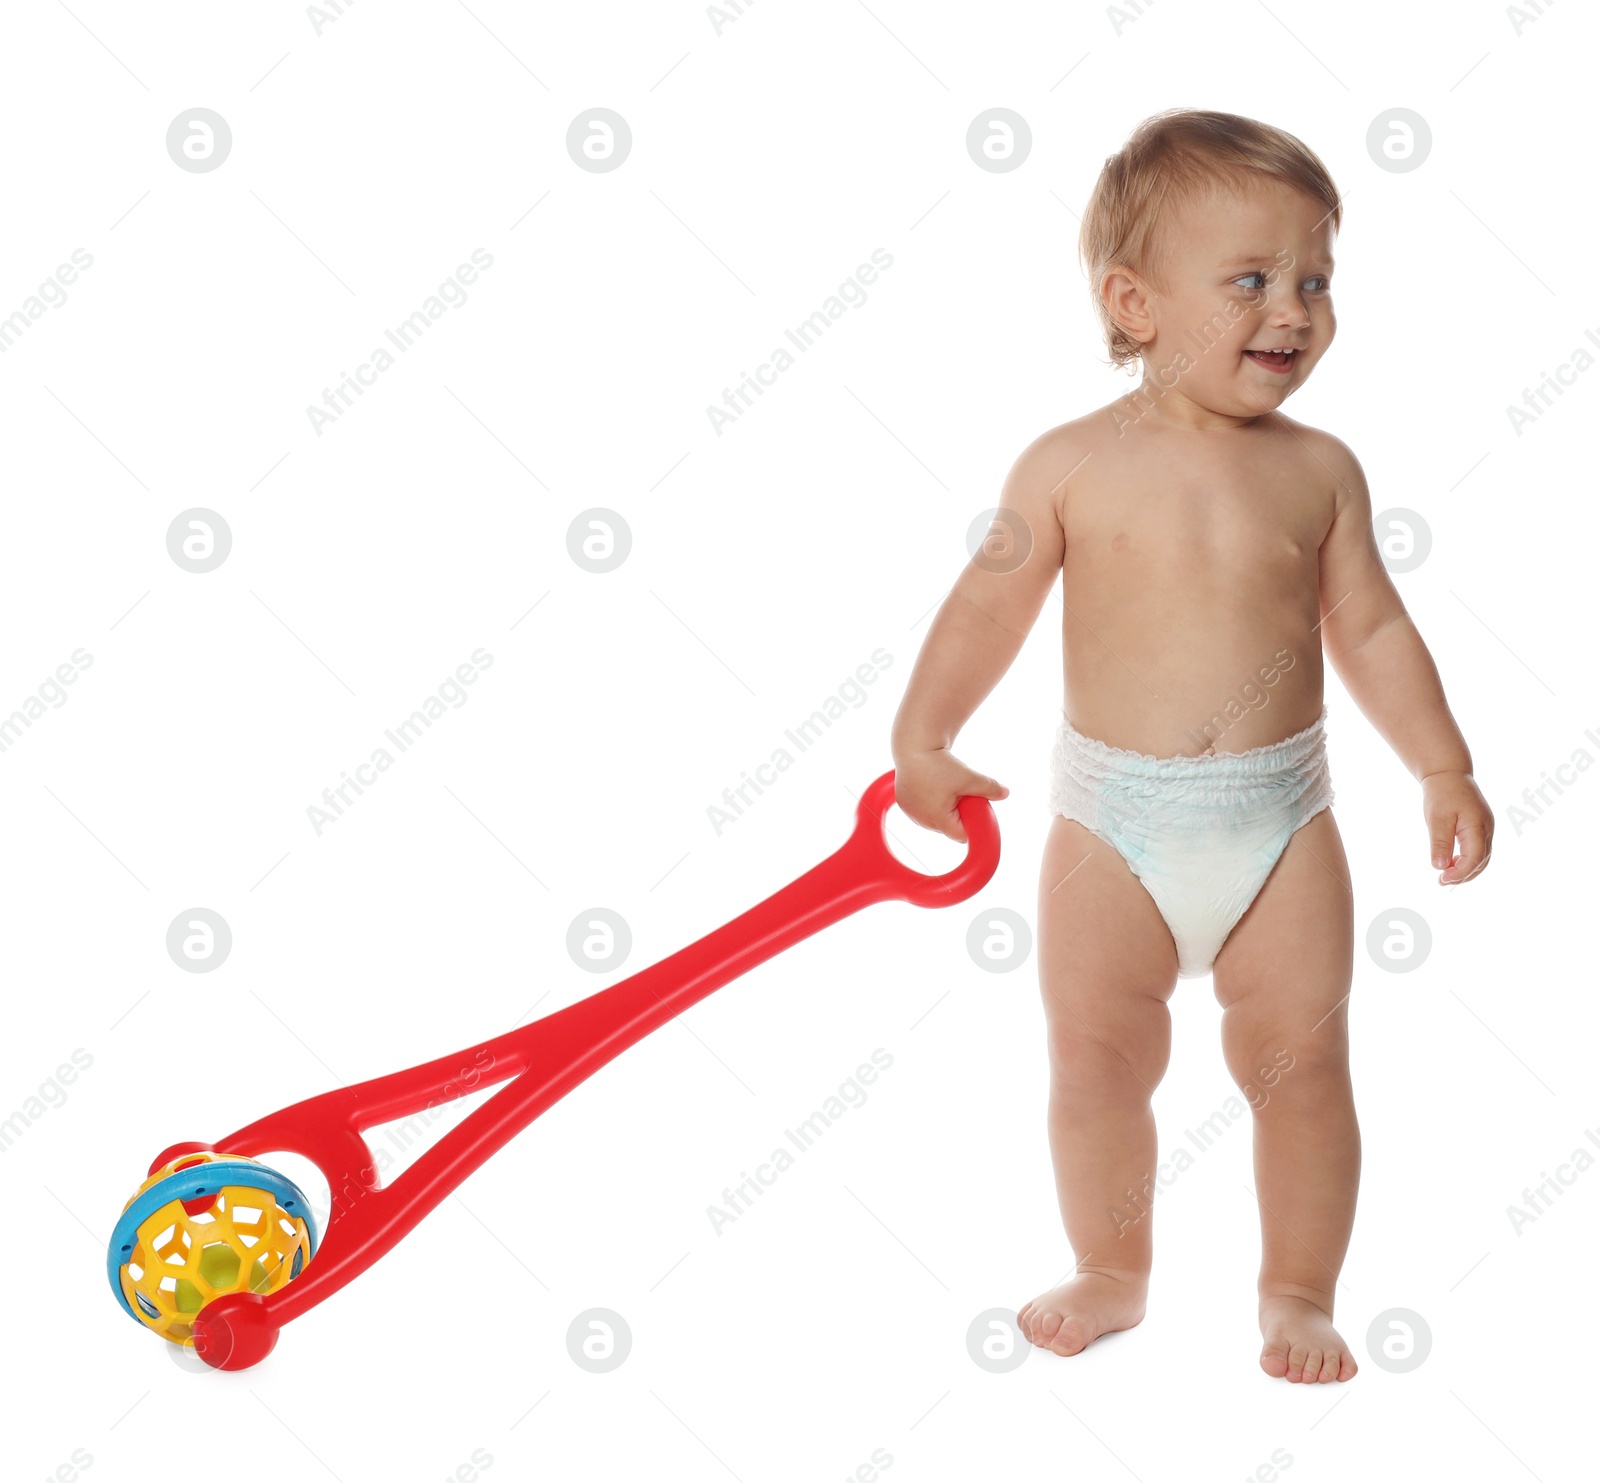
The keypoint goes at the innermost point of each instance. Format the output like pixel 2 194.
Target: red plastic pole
pixel 547 1058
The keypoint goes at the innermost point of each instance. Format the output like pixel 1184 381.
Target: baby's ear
pixel 1127 301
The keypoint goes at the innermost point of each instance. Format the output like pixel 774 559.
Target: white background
pixel 368 161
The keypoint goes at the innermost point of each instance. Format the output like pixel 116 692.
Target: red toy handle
pixel 548 1058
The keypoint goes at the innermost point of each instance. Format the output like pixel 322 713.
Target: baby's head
pixel 1208 239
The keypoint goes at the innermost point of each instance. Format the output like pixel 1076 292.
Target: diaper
pixel 1201 833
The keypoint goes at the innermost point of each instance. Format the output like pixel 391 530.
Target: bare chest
pixel 1199 524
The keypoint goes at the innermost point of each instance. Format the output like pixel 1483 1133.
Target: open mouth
pixel 1281 361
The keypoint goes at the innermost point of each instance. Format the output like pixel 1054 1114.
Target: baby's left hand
pixel 1455 809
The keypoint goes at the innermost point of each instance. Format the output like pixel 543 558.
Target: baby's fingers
pixel 953 828
pixel 975 785
pixel 1442 836
pixel 1474 854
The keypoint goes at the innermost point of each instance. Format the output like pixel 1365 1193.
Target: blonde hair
pixel 1172 158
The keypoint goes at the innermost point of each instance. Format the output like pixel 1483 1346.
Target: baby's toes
pixel 1347 1366
pixel 1275 1358
pixel 1047 1324
pixel 1330 1367
pixel 1297 1362
pixel 1025 1321
pixel 1312 1368
pixel 1072 1336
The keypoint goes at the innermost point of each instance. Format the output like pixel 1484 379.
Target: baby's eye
pixel 1243 281
pixel 1318 284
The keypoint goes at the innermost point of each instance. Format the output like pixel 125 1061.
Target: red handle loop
pixel 967 879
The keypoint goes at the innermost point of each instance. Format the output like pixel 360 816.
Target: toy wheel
pixel 203 1228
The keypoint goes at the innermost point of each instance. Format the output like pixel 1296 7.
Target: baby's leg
pixel 1107 967
pixel 1283 978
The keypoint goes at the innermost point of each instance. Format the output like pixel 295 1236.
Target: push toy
pixel 218 1251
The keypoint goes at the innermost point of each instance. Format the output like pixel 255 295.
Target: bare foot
pixel 1301 1344
pixel 1069 1318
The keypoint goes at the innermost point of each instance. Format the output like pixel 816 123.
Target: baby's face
pixel 1245 275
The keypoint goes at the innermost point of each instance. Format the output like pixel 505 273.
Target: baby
pixel 1211 551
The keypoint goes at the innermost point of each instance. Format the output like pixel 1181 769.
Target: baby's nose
pixel 1290 313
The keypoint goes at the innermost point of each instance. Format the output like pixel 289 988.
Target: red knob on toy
pixel 235 1331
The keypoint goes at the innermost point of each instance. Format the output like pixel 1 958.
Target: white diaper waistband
pixel 1095 783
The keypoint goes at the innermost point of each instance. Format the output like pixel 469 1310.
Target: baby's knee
pixel 1084 1063
pixel 1285 1069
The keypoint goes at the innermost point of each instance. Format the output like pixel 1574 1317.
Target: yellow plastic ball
pixel 233 1234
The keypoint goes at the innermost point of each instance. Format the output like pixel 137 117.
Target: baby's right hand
pixel 928 784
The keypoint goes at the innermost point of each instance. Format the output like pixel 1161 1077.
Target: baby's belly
pixel 1175 683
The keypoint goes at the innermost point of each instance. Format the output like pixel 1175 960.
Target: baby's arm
pixel 974 637
pixel 1380 657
